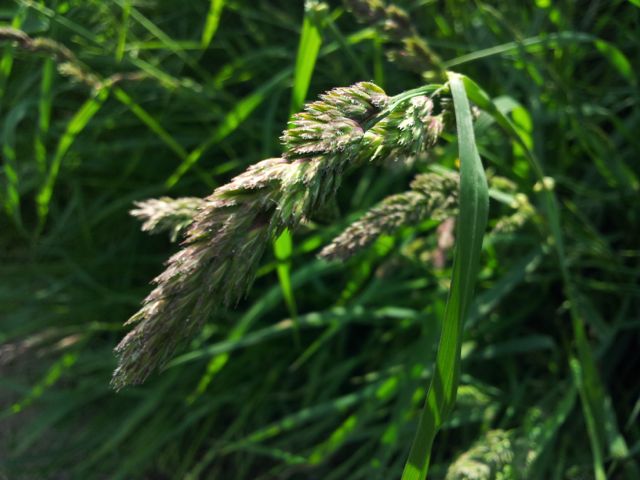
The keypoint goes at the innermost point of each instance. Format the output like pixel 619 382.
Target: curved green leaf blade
pixel 471 224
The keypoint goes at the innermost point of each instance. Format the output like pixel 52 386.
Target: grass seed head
pixel 227 237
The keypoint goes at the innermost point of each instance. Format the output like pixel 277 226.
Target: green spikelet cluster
pixel 432 196
pixel 524 211
pixel 325 139
pixel 499 455
pixel 406 130
pixel 214 268
pixel 225 242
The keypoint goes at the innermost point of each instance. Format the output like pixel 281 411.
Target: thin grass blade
pixel 44 113
pixel 77 123
pixel 229 124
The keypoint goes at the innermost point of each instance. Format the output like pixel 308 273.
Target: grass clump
pixel 319 369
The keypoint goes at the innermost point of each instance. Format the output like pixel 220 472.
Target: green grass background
pixel 338 396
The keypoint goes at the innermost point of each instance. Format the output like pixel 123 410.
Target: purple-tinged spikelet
pixel 225 242
pixel 432 196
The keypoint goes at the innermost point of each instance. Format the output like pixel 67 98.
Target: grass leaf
pixel 77 123
pixel 211 24
pixel 471 222
pixel 308 49
pixel 229 124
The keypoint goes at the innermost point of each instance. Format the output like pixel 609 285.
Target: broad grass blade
pixel 471 222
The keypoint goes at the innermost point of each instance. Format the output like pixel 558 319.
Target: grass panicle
pixel 432 196
pixel 225 242
pixel 406 46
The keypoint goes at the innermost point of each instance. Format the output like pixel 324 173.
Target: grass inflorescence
pixel 277 363
pixel 226 239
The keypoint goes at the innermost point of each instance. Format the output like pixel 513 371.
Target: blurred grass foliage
pixel 182 98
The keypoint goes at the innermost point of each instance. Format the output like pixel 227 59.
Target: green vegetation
pixel 361 350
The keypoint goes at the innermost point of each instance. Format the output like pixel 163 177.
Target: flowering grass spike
pixel 432 196
pixel 226 239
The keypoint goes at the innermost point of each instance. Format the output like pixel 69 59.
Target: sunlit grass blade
pixel 77 123
pixel 168 42
pixel 283 249
pixel 229 124
pixel 150 122
pixel 44 113
pixel 617 59
pixel 612 53
pixel 10 196
pixel 6 61
pixel 123 30
pixel 308 49
pixel 472 220
pixel 335 406
pixel 160 131
pixel 483 101
pixel 338 316
pixel 10 163
pixel 211 24
pixel 53 374
pixel 531 43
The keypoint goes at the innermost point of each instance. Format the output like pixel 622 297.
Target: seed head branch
pixel 68 63
pixel 432 196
